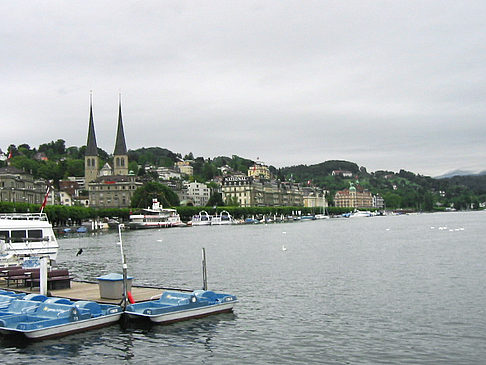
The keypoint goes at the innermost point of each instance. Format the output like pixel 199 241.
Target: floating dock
pixel 83 290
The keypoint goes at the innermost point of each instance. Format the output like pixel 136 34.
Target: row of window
pixel 113 187
pixel 21 235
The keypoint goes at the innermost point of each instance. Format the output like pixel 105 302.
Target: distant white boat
pixel 360 214
pixel 201 219
pixel 156 217
pixel 224 218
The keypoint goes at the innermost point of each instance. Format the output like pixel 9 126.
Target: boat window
pixel 18 236
pixel 35 233
pixel 3 235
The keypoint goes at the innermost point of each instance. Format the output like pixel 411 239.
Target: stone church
pixel 108 187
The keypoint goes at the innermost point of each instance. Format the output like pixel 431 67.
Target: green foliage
pixel 319 171
pixel 235 162
pixel 74 168
pixel 143 196
pixel 133 166
pixel 53 150
pixel 204 170
pixel 155 156
pixel 392 200
pixel 215 200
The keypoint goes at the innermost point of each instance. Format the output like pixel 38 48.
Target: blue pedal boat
pixel 38 317
pixel 177 306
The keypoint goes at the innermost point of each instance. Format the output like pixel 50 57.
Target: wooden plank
pixel 90 291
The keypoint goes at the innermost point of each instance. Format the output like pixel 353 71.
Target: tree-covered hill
pixel 405 189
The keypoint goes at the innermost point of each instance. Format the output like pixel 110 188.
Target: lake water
pixel 391 290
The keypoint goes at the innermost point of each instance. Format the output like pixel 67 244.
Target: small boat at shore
pixel 155 217
pixel 175 306
pixel 39 317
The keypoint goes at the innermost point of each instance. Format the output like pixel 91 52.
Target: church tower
pixel 91 160
pixel 120 156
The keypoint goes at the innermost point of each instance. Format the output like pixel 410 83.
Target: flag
pixel 45 200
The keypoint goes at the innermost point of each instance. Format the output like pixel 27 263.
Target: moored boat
pixel 201 219
pixel 175 306
pixel 38 317
pixel 224 218
pixel 155 217
pixel 23 235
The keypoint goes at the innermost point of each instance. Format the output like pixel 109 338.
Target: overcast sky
pixel 389 85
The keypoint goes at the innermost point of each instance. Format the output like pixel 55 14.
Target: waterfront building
pixel 241 188
pixel 314 197
pixel 378 202
pixel 195 192
pixel 19 186
pixel 252 192
pixel 353 198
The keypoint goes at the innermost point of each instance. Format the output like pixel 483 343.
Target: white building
pixel 185 168
pixel 166 173
pixel 197 192
pixel 65 198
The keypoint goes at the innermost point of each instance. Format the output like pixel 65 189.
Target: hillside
pixel 53 161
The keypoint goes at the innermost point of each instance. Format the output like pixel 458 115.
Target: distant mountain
pixel 460 173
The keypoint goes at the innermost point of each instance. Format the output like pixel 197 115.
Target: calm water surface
pixel 391 290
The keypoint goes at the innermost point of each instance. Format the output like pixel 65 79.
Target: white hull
pixel 65 329
pixel 181 315
pixel 222 223
pixel 27 234
pixel 156 217
pixel 154 225
pixel 205 223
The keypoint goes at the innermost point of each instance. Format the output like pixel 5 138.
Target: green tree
pixel 143 196
pixel 215 200
pixel 74 168
pixel 428 202
pixel 392 200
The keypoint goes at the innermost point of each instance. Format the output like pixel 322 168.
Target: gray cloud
pixel 388 85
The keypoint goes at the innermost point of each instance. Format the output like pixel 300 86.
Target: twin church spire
pixel 120 155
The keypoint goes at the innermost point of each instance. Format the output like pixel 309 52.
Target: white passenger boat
pixel 223 218
pixel 155 217
pixel 201 219
pixel 26 235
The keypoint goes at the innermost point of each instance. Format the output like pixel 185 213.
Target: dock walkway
pixel 81 290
